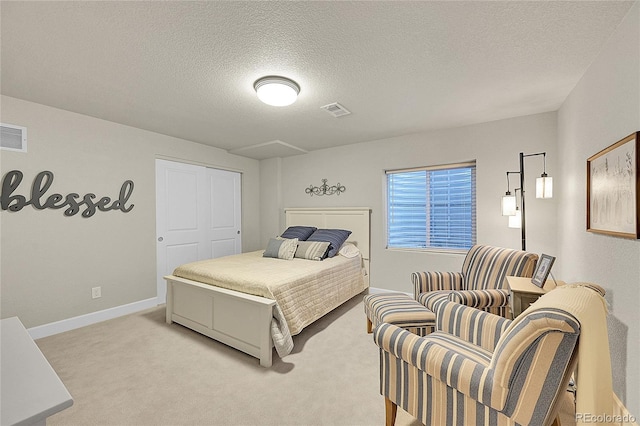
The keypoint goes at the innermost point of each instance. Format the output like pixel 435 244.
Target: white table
pixel 30 390
pixel 523 293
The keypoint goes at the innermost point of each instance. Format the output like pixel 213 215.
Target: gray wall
pixel 602 109
pixel 50 262
pixel 360 168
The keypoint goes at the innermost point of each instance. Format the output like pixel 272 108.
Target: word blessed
pixel 73 202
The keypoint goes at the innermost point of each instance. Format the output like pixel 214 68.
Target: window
pixel 432 207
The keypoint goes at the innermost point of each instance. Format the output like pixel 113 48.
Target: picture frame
pixel 612 189
pixel 543 268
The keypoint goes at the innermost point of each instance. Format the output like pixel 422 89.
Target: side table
pixel 523 293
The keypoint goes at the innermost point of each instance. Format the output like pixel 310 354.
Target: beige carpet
pixel 138 370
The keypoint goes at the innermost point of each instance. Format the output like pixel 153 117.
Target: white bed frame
pixel 241 320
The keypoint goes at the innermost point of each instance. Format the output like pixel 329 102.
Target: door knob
pixel 160 239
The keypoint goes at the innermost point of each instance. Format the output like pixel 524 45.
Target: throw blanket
pixel 584 301
pixel 280 334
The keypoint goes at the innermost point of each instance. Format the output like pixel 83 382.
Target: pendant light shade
pixel 508 205
pixel 276 91
pixel 544 186
pixel 515 221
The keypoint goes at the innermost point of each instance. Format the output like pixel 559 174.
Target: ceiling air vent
pixel 13 138
pixel 336 109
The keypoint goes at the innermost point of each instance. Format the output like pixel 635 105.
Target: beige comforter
pixel 305 290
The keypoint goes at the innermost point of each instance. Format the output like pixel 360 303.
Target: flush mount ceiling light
pixel 276 91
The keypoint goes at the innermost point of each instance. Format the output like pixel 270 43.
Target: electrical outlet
pixel 96 292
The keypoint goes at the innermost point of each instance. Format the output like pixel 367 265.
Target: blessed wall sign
pixel 72 203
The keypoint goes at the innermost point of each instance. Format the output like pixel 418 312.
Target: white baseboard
pixel 92 318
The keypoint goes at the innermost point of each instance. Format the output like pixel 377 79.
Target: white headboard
pixel 354 219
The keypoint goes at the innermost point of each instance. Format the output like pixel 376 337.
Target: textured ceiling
pixel 186 69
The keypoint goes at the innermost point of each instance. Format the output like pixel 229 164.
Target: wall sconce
pixel 544 189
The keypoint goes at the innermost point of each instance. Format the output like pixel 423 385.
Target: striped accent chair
pixel 478 368
pixel 482 283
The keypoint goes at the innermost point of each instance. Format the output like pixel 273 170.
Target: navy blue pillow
pixel 299 232
pixel 336 237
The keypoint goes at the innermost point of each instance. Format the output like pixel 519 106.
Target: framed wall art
pixel 612 189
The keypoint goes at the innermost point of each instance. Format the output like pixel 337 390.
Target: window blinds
pixel 432 207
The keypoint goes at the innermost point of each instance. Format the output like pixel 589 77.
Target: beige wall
pixel 49 261
pixel 360 168
pixel 602 109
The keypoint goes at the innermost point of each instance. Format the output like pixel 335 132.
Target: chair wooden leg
pixel 390 410
pixel 369 326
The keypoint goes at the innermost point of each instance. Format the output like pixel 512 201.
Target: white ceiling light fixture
pixel 276 91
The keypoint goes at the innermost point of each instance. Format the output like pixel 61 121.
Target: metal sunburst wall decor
pixel 325 189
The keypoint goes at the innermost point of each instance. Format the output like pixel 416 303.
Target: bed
pixel 226 311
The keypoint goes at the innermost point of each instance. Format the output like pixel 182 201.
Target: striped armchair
pixel 481 284
pixel 478 368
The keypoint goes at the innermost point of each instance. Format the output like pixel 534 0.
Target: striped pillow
pixel 281 248
pixel 299 232
pixel 336 237
pixel 312 250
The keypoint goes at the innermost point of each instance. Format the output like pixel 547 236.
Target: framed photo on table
pixel 543 268
pixel 612 189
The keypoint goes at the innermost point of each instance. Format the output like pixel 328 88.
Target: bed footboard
pixel 240 320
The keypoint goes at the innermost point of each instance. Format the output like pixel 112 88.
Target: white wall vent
pixel 336 109
pixel 13 138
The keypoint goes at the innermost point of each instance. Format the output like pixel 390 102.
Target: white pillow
pixel 349 250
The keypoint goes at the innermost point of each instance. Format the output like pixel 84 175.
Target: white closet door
pixel 186 217
pixel 224 232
